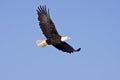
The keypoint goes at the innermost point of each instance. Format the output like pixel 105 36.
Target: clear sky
pixel 93 25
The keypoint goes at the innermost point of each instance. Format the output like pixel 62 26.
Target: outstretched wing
pixel 45 22
pixel 66 47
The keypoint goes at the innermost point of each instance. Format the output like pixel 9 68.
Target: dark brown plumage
pixel 48 28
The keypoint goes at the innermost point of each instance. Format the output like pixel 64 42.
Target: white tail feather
pixel 41 43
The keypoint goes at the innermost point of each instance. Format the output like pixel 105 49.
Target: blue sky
pixel 94 25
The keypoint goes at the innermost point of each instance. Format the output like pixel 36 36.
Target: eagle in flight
pixel 53 37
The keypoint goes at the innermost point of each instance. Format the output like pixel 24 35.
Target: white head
pixel 41 43
pixel 65 38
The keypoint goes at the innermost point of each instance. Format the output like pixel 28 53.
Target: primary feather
pixel 46 24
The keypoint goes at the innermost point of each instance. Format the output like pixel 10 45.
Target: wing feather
pixel 46 24
pixel 65 47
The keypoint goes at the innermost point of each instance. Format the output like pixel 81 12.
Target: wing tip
pixel 42 9
pixel 75 50
pixel 78 49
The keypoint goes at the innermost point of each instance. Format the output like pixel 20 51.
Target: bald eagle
pixel 48 28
